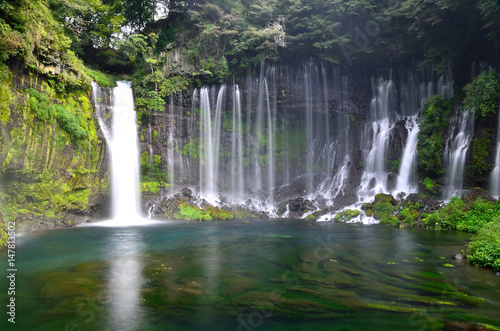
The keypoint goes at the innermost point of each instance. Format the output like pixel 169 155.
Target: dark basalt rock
pixel 477 192
pixel 427 204
pixel 300 205
pixel 464 326
pixel 187 192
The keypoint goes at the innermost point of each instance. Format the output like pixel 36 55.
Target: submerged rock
pixel 459 326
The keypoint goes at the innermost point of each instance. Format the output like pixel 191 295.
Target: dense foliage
pixel 463 216
pixel 484 250
pixel 434 121
pixel 221 37
pixel 483 94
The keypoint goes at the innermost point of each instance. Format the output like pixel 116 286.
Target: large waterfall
pixel 124 154
pixel 121 137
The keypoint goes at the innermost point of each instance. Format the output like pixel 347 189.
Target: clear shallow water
pixel 255 275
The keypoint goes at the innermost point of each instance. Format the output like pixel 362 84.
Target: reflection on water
pixel 125 281
pixel 259 275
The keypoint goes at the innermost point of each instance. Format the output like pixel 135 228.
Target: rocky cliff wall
pixel 53 160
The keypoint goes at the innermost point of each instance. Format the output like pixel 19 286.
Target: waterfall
pixel 99 100
pixel 462 126
pixel 309 125
pixel 259 129
pixel 192 132
pixel 415 88
pixel 210 146
pixel 124 146
pixel 124 155
pixel 237 180
pixel 270 149
pixel 373 180
pixel 170 143
pixel 495 174
pixel 216 136
pixel 289 132
pixel 207 179
pixel 406 178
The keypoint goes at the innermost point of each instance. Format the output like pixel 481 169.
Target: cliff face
pixel 53 161
pixel 326 135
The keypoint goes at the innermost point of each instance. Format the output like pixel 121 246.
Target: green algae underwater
pixel 249 275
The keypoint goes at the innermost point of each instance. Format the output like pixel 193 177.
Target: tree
pixel 490 11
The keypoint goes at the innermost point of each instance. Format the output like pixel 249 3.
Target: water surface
pixel 248 275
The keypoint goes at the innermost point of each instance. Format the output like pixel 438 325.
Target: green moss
pixel 101 78
pixel 48 196
pixel 431 188
pixel 383 211
pixel 5 98
pixel 435 115
pixel 346 215
pixel 480 151
pixel 190 213
pixel 44 153
pixel 218 213
pixel 3 231
pixel 152 187
pixel 153 175
pixel 192 148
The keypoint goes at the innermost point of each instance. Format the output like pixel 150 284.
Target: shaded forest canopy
pixel 104 33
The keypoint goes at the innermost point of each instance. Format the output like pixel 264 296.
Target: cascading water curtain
pixel 495 174
pixel 456 151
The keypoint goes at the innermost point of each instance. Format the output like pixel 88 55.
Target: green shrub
pixel 481 212
pixel 383 211
pixel 437 222
pixel 408 216
pixel 483 94
pixel 484 249
pixel 448 217
pixel 469 217
pixel 431 186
